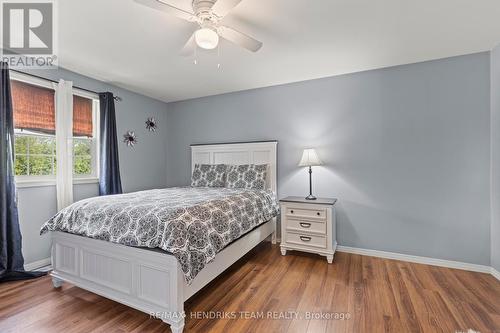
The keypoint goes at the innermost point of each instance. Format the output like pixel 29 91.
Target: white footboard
pixel 146 280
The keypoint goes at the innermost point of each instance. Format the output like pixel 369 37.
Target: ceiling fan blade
pixel 222 7
pixel 239 39
pixel 189 47
pixel 164 7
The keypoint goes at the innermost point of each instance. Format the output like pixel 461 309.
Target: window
pixel 34 128
pixel 34 131
pixel 85 143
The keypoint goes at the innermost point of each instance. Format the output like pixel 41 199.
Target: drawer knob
pixel 318 213
pixel 305 238
pixel 305 225
pixel 291 211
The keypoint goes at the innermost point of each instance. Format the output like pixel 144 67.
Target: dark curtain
pixel 109 179
pixel 11 257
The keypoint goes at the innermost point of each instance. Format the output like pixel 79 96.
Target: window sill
pixel 52 182
pixel 77 181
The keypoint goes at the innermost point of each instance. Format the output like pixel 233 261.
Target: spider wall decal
pixel 151 124
pixel 130 138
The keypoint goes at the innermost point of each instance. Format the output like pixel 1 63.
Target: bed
pixel 150 279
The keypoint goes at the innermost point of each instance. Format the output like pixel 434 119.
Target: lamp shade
pixel 206 38
pixel 310 158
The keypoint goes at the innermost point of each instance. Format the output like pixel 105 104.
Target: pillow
pixel 248 176
pixel 209 175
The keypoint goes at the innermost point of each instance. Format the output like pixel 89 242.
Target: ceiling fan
pixel 207 14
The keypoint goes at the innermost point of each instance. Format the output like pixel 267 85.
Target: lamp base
pixel 310 197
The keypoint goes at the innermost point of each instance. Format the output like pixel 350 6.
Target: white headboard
pixel 263 152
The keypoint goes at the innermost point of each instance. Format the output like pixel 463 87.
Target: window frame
pixel 38 181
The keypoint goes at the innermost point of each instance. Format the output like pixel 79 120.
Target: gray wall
pixel 495 158
pixel 142 167
pixel 406 150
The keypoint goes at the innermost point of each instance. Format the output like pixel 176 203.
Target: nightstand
pixel 309 226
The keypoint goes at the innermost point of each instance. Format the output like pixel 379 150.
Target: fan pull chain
pixel 218 56
pixel 195 55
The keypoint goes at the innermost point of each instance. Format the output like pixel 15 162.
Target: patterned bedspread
pixel 192 223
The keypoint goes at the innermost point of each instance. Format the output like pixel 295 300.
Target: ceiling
pixel 137 48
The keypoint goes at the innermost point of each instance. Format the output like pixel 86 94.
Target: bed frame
pixel 151 280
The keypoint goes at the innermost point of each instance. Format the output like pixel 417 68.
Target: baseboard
pixel 495 273
pixel 37 264
pixel 366 252
pixel 417 259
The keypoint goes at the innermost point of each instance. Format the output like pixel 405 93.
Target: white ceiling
pixel 135 47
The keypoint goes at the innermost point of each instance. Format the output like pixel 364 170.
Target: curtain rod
pixel 117 98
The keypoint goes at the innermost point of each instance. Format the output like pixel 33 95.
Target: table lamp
pixel 310 159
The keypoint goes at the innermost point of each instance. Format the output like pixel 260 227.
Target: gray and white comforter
pixel 192 223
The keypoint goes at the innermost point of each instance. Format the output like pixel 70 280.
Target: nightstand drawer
pixel 306 239
pixel 318 227
pixel 306 213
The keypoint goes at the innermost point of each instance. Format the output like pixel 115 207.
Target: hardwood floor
pixel 377 295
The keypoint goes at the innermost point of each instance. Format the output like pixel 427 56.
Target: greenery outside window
pixel 35 154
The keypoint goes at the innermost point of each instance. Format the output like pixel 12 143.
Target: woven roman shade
pixel 34 107
pixel 34 110
pixel 82 116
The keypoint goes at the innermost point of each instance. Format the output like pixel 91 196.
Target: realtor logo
pixel 28 33
pixel 27 28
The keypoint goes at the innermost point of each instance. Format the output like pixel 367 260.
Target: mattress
pixel 192 223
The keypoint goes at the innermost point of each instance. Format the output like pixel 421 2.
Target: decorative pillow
pixel 249 176
pixel 209 175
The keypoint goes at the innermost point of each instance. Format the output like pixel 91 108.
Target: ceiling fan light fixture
pixel 206 38
pixel 207 14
